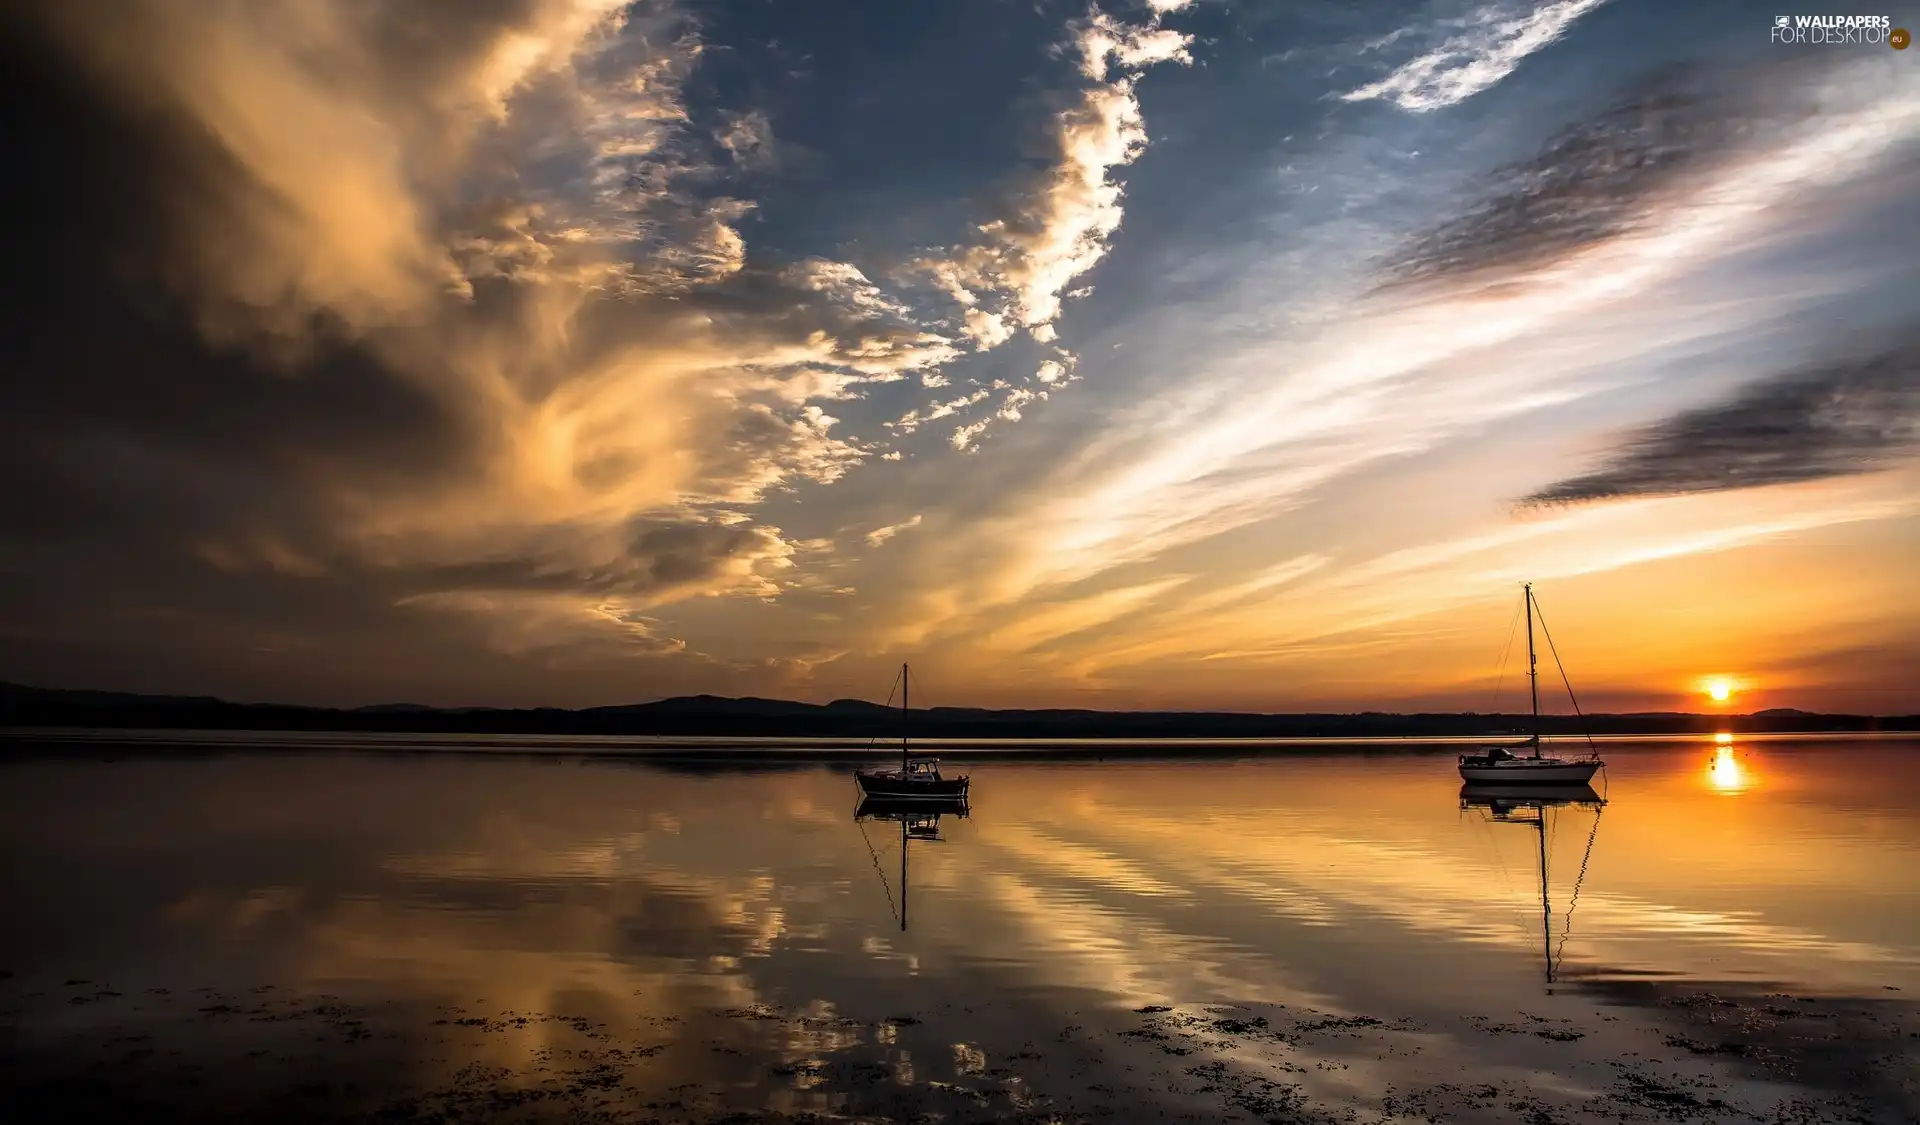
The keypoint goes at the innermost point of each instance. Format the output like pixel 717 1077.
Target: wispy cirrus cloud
pixel 1613 174
pixel 1495 41
pixel 880 535
pixel 1246 439
pixel 552 627
pixel 1303 608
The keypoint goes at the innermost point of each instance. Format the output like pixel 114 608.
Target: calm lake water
pixel 1302 936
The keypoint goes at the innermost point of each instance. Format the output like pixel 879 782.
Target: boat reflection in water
pixel 1530 805
pixel 919 819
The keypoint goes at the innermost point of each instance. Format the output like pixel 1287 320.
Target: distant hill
pixel 708 715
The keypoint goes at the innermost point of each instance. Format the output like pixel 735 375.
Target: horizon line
pixel 402 705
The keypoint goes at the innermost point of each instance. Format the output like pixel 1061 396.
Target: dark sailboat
pixel 919 820
pixel 1528 804
pixel 914 778
pixel 1500 765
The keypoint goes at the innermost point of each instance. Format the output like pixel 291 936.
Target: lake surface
pixel 1311 936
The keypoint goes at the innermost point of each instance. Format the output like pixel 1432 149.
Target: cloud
pixel 748 137
pixel 451 302
pixel 1616 173
pixel 527 625
pixel 1050 623
pixel 1503 34
pixel 1061 224
pixel 1252 435
pixel 511 316
pixel 1014 400
pixel 1061 227
pixel 847 286
pixel 1264 582
pixel 1105 43
pixel 880 535
pixel 1835 419
pixel 963 436
pixel 647 562
pixel 1053 371
pixel 1305 606
pixel 914 419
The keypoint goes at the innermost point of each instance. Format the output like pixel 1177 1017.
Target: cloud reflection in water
pixel 730 931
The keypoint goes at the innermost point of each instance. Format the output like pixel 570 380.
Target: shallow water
pixel 1326 935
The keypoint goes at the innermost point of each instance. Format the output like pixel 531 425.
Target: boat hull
pixel 1523 772
pixel 893 787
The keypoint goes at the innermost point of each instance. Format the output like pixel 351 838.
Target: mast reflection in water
pixel 919 819
pixel 1529 805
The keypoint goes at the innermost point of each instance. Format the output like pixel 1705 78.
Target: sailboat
pixel 1510 805
pixel 919 820
pixel 1500 765
pixel 914 778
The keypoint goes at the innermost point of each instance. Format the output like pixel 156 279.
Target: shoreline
pixel 1694 1053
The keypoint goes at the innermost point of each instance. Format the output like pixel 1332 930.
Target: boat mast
pixel 1533 671
pixel 903 731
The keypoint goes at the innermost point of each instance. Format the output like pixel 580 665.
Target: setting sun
pixel 1720 690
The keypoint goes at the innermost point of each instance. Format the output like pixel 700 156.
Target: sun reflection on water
pixel 1726 774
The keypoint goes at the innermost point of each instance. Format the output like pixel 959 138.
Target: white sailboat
pixel 1501 765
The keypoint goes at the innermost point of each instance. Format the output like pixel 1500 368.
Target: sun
pixel 1720 690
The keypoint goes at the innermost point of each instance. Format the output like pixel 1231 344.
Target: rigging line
pixel 883 874
pixel 1557 663
pixel 915 680
pixel 887 706
pixel 1512 899
pixel 1512 625
pixel 1566 929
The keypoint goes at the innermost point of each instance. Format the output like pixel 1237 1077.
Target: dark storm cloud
pixel 124 433
pixel 118 418
pixel 313 316
pixel 1607 176
pixel 1835 419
